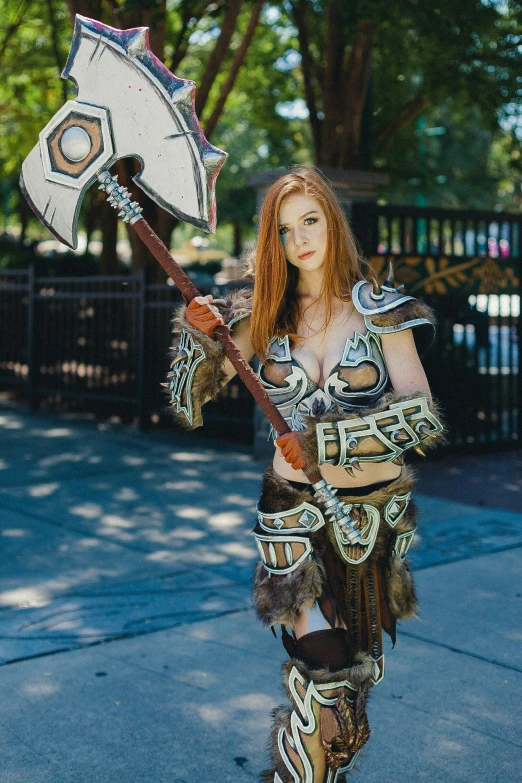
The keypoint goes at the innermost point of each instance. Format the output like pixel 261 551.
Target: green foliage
pixel 462 57
pixel 31 90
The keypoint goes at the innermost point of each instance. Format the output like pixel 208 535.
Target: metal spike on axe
pixel 130 105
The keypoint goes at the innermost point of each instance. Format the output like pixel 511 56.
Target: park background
pixel 126 561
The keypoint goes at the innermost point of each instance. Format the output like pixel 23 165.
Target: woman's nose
pixel 299 236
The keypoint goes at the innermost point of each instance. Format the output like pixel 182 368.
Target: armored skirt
pixel 359 589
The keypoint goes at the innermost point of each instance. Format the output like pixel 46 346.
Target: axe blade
pixel 128 105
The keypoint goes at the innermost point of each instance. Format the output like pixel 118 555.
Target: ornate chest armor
pixel 358 380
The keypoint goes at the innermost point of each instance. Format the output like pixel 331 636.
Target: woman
pixel 338 358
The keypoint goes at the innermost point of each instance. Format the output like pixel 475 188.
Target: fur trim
pixel 360 674
pixel 280 720
pixel 308 437
pixel 402 598
pixel 280 599
pixel 404 317
pixel 209 376
pixel 278 495
pixel 409 311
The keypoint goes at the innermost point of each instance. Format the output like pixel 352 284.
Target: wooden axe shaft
pixel 222 333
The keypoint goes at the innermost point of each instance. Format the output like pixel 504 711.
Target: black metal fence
pixel 102 341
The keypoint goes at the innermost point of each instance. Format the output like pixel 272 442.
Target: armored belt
pixel 284 541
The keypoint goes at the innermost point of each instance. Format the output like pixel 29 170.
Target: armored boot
pixel 318 739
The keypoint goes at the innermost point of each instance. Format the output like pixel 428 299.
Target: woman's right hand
pixel 202 313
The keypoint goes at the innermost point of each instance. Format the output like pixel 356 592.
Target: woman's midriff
pixel 371 473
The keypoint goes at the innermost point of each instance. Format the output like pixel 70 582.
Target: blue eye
pixel 283 230
pixel 310 221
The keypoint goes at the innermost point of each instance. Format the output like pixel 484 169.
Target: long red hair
pixel 276 310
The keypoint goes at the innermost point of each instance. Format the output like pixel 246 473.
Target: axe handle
pixel 245 372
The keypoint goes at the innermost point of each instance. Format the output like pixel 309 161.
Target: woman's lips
pixel 304 256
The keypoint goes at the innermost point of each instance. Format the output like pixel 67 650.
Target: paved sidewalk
pixel 131 652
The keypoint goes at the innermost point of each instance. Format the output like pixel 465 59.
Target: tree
pixel 203 40
pixel 370 67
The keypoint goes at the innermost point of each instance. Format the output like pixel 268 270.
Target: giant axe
pixel 130 105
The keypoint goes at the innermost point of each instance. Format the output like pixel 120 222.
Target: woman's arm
pixel 406 372
pixel 241 336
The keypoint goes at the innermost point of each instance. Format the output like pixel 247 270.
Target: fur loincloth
pixel 279 599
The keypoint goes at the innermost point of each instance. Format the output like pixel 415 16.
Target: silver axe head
pixel 128 105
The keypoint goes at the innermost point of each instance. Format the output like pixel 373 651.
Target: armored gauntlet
pixel 196 370
pixel 382 436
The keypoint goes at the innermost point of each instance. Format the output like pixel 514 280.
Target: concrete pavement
pixel 129 648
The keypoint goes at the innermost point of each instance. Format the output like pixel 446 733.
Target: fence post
pixel 31 369
pixel 140 346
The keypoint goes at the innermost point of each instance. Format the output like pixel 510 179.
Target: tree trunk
pixel 233 71
pixel 217 55
pixel 357 79
pixel 90 8
pixel 332 85
pixel 408 113
pixel 309 80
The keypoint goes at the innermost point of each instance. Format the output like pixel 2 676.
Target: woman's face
pixel 303 231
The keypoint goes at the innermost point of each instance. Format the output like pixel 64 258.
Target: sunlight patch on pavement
pixel 15 532
pixel 54 432
pixel 112 520
pixel 24 597
pixel 87 510
pixel 226 520
pixel 43 490
pixel 237 549
pixel 40 689
pixel 191 456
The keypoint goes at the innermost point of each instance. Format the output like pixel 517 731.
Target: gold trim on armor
pixel 305 518
pixel 283 554
pixel 395 508
pixel 357 553
pixel 403 542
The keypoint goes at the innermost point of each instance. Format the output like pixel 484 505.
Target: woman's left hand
pixel 292 450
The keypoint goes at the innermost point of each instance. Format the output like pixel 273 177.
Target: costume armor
pixel 358 380
pixel 377 437
pixel 344 565
pixel 321 736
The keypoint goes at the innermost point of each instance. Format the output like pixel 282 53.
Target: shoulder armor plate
pixel 386 310
pixel 369 303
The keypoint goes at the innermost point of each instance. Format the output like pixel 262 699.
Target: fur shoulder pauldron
pixel 387 309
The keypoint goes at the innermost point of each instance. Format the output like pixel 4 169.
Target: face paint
pixel 302 227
